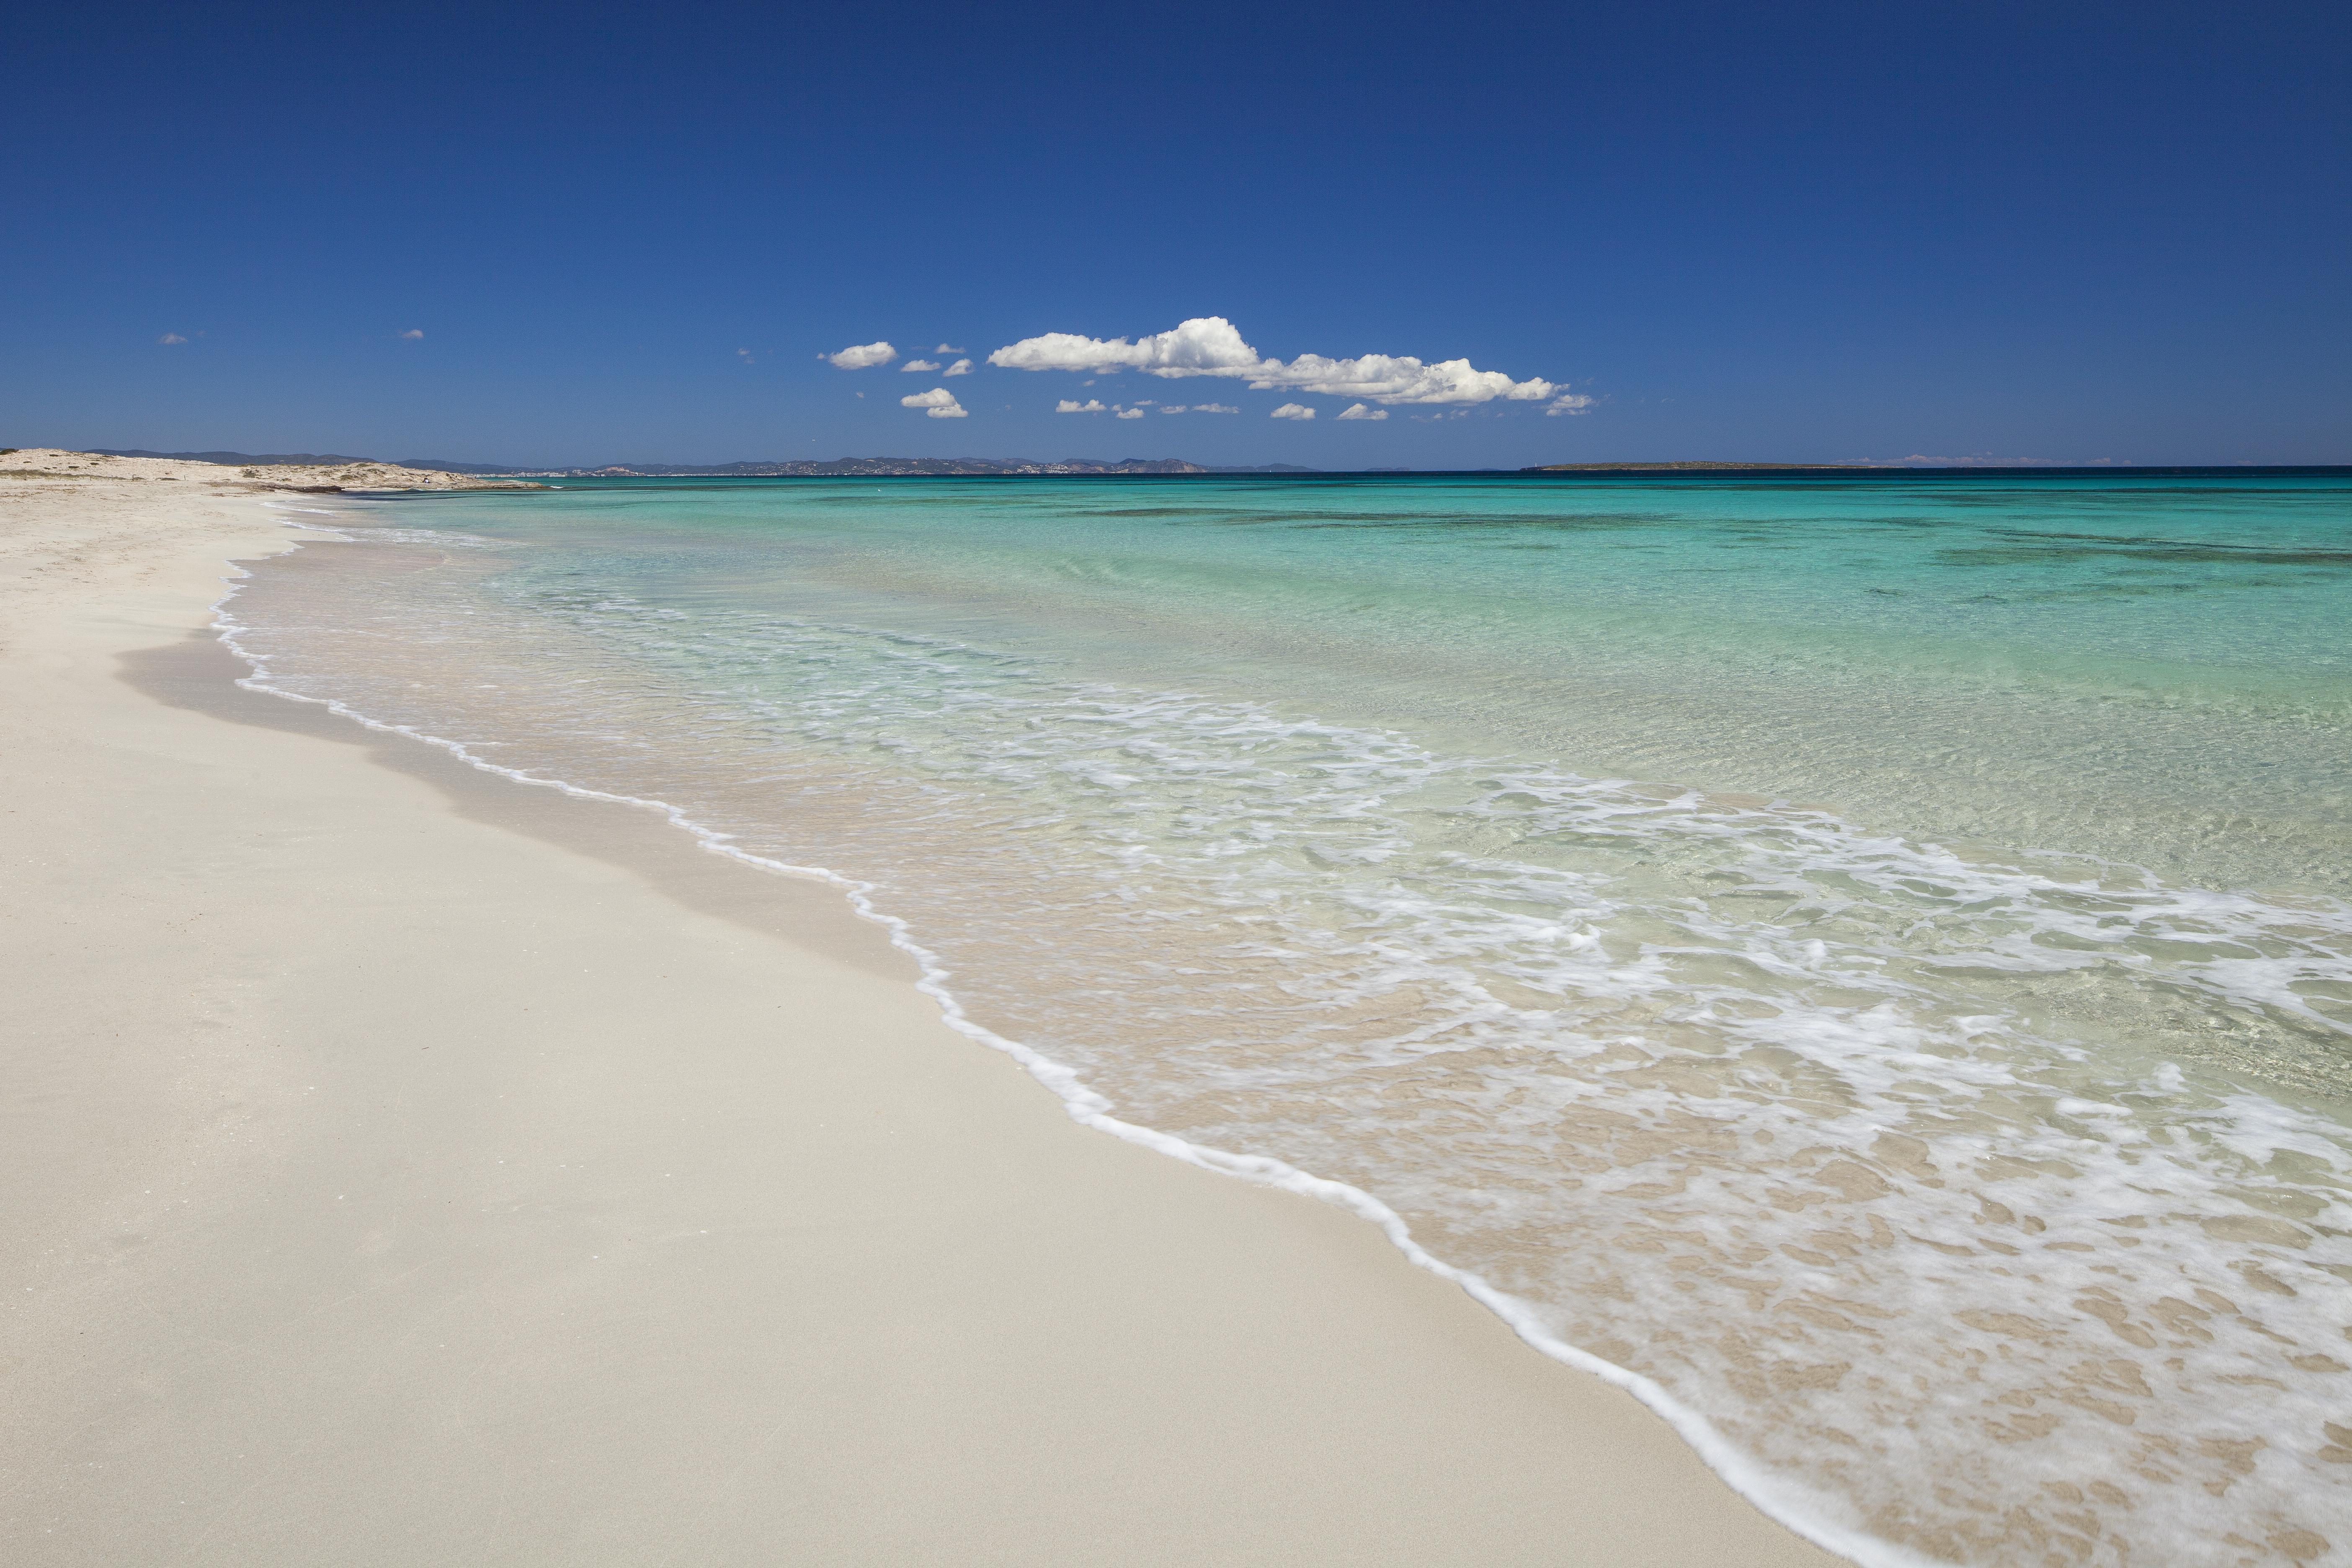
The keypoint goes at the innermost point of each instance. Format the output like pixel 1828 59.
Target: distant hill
pixel 1676 468
pixel 449 467
pixel 879 467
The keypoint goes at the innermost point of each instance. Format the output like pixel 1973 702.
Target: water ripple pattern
pixel 1988 1196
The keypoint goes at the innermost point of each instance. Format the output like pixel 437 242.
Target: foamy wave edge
pixel 1794 1506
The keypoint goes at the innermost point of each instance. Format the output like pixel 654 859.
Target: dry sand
pixel 405 1166
pixel 32 463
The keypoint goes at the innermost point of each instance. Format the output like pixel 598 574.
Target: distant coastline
pixel 1694 465
pixel 856 467
pixel 981 468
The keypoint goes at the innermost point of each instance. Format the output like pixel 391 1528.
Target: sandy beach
pixel 405 1165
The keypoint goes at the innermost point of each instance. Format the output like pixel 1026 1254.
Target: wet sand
pixel 405 1165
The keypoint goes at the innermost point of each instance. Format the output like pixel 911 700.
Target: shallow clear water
pixel 1871 956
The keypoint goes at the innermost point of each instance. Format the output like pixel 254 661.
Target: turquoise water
pixel 1867 957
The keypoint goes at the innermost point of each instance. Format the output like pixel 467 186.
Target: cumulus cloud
pixel 960 367
pixel 918 365
pixel 171 338
pixel 859 356
pixel 414 335
pixel 1206 346
pixel 1214 408
pixel 947 349
pixel 1359 411
pixel 1571 403
pixel 1070 405
pixel 1130 413
pixel 938 403
pixel 1211 345
pixel 1294 411
pixel 1386 378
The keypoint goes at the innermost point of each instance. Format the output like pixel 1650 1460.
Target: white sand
pixel 404 1167
pixel 19 464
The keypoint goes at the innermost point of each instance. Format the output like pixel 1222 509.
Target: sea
pixel 1862 961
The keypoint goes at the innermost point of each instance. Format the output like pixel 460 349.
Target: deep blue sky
pixel 1765 231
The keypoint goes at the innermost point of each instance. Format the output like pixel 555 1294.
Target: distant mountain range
pixel 1690 466
pixel 847 467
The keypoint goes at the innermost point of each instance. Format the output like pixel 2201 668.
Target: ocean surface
pixel 1866 961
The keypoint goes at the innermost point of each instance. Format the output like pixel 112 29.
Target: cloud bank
pixel 1211 345
pixel 938 403
pixel 859 356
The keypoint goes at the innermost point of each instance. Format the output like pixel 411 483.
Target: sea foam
pixel 1958 1203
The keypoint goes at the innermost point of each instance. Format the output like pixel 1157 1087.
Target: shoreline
pixel 941 1341
pixel 1089 1109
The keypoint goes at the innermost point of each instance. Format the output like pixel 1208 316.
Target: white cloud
pixel 1130 413
pixel 1386 378
pixel 1206 346
pixel 859 356
pixel 960 367
pixel 1172 408
pixel 1214 408
pixel 745 355
pixel 1359 411
pixel 938 403
pixel 1571 403
pixel 414 335
pixel 918 365
pixel 1294 411
pixel 1211 345
pixel 171 338
pixel 1091 406
pixel 947 349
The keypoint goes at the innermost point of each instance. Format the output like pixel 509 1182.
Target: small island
pixel 1694 464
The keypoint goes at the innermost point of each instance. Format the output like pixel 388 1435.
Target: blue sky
pixel 1774 232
